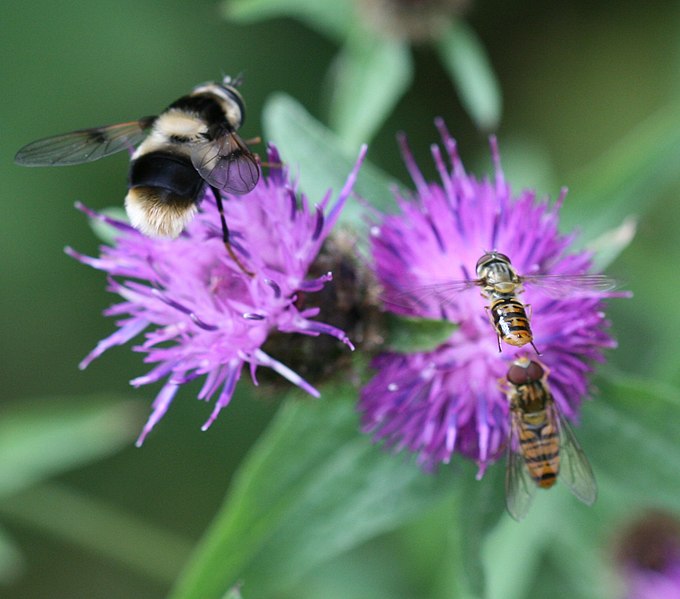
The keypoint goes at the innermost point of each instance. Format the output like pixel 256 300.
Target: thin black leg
pixel 225 232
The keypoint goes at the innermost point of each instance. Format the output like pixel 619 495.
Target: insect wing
pixel 559 286
pixel 575 469
pixel 85 145
pixel 227 164
pixel 520 489
pixel 441 293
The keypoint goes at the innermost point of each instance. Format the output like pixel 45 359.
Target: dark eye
pixel 517 375
pixel 524 371
pixel 535 371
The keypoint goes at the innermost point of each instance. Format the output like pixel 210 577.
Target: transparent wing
pixel 571 285
pixel 442 293
pixel 520 489
pixel 227 164
pixel 575 469
pixel 85 145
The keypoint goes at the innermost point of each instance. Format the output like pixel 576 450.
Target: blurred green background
pixel 585 86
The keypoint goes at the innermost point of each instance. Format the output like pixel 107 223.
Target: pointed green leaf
pixel 409 334
pixel 371 75
pixel 331 18
pixel 104 231
pixel 607 247
pixel 626 180
pixel 482 506
pixel 99 528
pixel 313 487
pixel 315 154
pixel 234 593
pixel 468 64
pixel 39 439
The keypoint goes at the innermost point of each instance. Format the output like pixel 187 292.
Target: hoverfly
pixel 500 284
pixel 542 445
pixel 191 144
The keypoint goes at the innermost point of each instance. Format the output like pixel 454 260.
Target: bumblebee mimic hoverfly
pixel 191 144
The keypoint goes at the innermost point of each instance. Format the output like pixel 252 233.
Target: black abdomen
pixel 169 172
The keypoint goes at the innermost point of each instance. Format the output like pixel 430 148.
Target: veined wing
pixel 227 164
pixel 442 293
pixel 575 469
pixel 559 286
pixel 85 145
pixel 520 489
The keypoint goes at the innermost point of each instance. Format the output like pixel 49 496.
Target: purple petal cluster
pixel 446 400
pixel 201 316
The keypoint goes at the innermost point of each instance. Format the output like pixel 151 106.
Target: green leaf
pixel 371 75
pixel 406 334
pixel 331 18
pixel 626 180
pixel 99 528
pixel 104 231
pixel 607 247
pixel 512 543
pixel 234 593
pixel 481 507
pixel 42 438
pixel 11 560
pixel 312 488
pixel 315 154
pixel 468 64
pixel 630 432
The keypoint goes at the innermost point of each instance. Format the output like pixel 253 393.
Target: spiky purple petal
pixel 201 316
pixel 449 399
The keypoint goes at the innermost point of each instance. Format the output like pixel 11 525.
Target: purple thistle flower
pixel 649 557
pixel 449 399
pixel 202 316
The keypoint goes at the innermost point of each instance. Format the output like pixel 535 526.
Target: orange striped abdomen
pixel 510 321
pixel 540 446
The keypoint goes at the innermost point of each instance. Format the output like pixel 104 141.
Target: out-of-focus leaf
pixel 234 593
pixel 408 334
pixel 481 507
pixel 610 244
pixel 105 232
pixel 39 439
pixel 631 432
pixel 11 560
pixel 331 18
pixel 315 154
pixel 371 75
pixel 513 543
pixel 313 487
pixel 627 179
pixel 466 60
pixel 99 528
pixel 375 570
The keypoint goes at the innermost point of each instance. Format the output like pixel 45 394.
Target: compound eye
pixel 525 371
pixel 238 100
pixel 535 371
pixel 517 374
pixel 490 257
pixel 483 260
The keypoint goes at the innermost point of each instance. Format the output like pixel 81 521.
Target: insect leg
pixel 529 316
pixel 225 233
